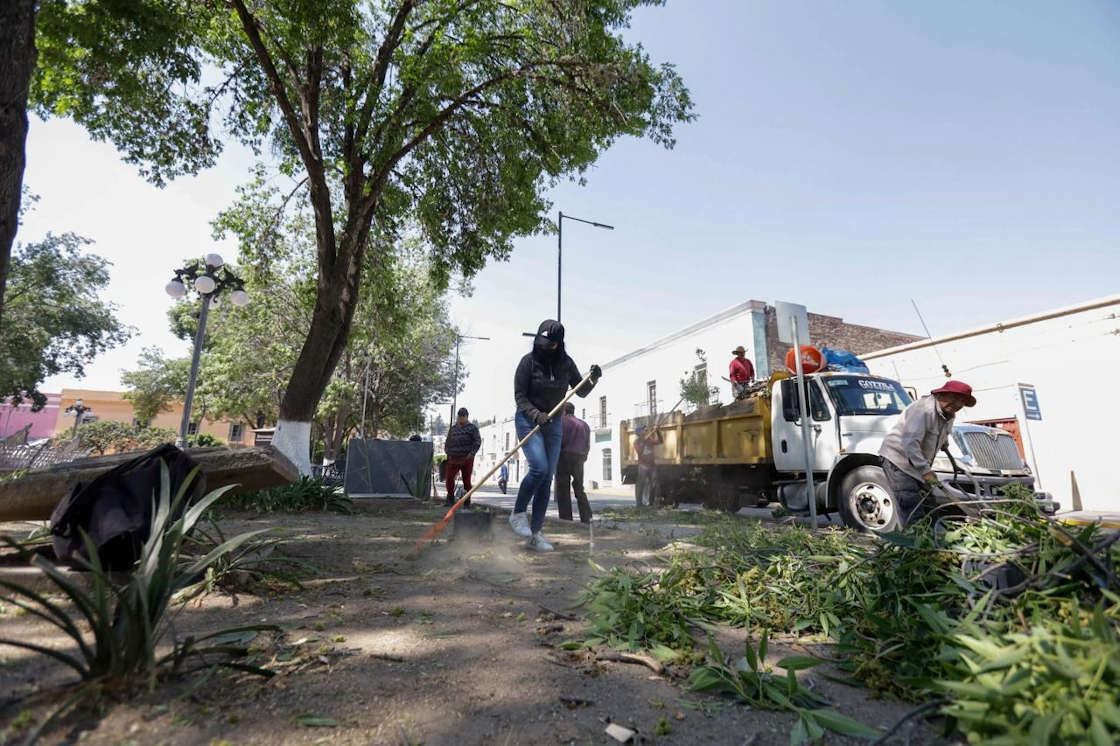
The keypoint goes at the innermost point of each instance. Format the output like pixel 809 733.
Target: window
pixel 791 407
pixel 858 395
pixel 606 464
pixel 236 431
pixel 602 411
pixel 192 428
pixel 583 414
pixel 507 442
pixel 651 397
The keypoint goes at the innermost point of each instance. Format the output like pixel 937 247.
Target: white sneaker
pixel 538 542
pixel 519 522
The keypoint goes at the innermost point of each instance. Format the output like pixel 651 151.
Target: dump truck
pixel 750 453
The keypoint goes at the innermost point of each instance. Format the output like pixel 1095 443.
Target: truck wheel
pixel 866 502
pixel 725 496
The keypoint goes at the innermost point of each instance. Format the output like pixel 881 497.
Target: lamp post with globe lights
pixel 210 277
pixel 78 411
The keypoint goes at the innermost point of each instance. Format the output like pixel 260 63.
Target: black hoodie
pixel 544 376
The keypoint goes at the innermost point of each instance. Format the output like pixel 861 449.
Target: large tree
pixel 17 60
pixel 456 113
pixel 56 321
pixel 398 359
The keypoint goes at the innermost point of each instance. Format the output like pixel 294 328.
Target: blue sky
pixel 848 155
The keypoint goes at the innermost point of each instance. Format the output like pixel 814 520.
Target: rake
pixel 435 530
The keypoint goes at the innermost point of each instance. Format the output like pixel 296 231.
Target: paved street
pixel 622 497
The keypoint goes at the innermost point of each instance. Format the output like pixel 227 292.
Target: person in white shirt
pixel 910 447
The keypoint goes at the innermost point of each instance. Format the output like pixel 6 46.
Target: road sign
pixel 1030 401
pixel 787 311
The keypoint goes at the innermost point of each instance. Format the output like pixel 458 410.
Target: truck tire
pixel 866 502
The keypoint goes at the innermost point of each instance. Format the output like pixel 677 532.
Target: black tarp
pixel 388 467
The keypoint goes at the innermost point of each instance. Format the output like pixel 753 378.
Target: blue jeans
pixel 543 452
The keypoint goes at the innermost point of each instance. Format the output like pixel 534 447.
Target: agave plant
pixel 128 619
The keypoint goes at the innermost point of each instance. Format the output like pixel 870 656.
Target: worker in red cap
pixel 910 447
pixel 741 372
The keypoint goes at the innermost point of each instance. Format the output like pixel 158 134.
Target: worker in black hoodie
pixel 541 382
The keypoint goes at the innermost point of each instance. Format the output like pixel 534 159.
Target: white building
pixel 1070 356
pixel 497 440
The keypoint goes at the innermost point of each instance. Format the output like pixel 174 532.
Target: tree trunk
pixel 17 61
pixel 325 343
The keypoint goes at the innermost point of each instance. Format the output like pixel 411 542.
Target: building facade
pixel 497 439
pixel 648 380
pixel 111 405
pixel 39 424
pixel 1041 378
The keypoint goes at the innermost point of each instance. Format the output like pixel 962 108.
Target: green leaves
pixel 751 682
pixel 54 318
pixel 1037 662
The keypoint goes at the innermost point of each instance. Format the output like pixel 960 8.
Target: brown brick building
pixel 829 331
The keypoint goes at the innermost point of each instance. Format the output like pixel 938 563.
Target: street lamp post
pixel 560 249
pixel 455 393
pixel 210 277
pixel 78 409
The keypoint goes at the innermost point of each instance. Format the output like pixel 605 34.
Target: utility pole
pixel 455 393
pixel 560 249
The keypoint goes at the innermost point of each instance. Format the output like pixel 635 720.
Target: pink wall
pixel 42 422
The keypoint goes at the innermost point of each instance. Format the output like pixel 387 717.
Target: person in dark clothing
pixel 574 446
pixel 541 382
pixel 463 441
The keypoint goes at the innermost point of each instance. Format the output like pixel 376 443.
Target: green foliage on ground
pixel 1011 616
pixel 309 493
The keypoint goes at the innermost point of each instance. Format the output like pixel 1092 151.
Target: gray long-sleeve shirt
pixel 919 434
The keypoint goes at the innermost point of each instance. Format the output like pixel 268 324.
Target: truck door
pixel 789 454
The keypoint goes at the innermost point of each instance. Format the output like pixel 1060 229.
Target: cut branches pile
pixel 1010 616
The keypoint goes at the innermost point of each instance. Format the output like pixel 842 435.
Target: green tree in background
pixel 156 383
pixel 55 320
pixel 457 115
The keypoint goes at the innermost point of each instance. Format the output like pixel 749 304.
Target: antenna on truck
pixel 929 336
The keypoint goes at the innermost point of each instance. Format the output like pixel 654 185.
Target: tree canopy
pixel 55 320
pixel 451 115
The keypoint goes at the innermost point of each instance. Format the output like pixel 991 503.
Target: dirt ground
pixel 459 645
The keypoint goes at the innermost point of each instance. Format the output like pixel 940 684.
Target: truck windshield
pixel 859 395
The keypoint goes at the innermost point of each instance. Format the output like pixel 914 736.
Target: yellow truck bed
pixel 736 434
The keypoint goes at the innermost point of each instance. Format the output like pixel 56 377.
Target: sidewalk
pixel 613 497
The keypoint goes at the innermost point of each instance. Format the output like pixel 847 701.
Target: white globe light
pixel 239 298
pixel 175 288
pixel 214 260
pixel 204 284
pixel 215 302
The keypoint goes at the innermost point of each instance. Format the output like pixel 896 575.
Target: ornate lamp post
pixel 78 410
pixel 210 277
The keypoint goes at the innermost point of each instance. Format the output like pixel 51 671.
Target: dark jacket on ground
pixel 462 440
pixel 544 376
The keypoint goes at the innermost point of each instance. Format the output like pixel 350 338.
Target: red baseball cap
pixel 957 387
